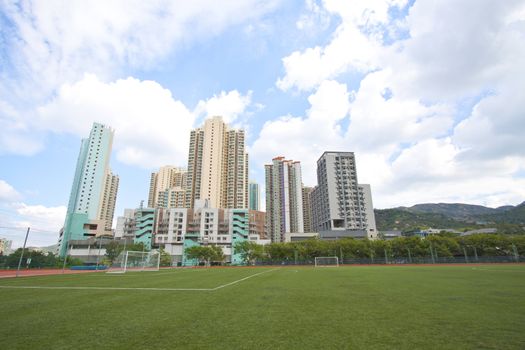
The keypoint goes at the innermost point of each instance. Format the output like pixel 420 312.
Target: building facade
pixel 5 246
pixel 93 193
pixel 181 228
pixel 284 198
pixel 307 208
pixel 217 166
pixel 167 186
pixel 339 202
pixel 254 196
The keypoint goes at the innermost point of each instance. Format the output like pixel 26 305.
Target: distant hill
pixel 514 215
pixel 448 215
pixel 48 249
pixel 406 220
pixel 453 210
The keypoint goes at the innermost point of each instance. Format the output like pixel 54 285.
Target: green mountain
pixel 405 220
pixel 449 215
pixel 453 210
pixel 514 215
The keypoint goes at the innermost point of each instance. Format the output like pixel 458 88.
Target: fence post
pixel 432 254
pixel 516 255
pixel 386 256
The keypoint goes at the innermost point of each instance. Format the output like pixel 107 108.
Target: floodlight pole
pixel 22 254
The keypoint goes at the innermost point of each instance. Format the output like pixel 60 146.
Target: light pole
pixel 22 254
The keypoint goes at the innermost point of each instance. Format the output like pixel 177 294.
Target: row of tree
pixel 479 245
pixel 35 259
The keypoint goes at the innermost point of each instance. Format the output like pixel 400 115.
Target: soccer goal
pixel 136 261
pixel 326 261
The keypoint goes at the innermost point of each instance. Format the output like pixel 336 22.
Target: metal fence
pixel 405 260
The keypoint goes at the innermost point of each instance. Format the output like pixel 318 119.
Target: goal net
pixel 326 261
pixel 136 261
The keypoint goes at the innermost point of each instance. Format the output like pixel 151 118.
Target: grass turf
pixel 390 307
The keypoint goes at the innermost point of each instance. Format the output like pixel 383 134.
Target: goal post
pixel 326 261
pixel 136 261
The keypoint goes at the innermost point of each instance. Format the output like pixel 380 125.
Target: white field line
pixel 138 288
pixel 105 288
pixel 243 279
pixel 496 270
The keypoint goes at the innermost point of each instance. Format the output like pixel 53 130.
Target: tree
pixel 205 254
pixel 31 259
pixel 249 251
pixel 113 249
pixel 165 258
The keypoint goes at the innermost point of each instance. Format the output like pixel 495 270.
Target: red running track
pixel 41 272
pixel 44 272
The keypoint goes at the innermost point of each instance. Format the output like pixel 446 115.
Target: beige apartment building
pixel 217 166
pixel 167 188
pixel 284 198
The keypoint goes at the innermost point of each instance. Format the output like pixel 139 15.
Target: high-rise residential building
pixel 307 208
pixel 254 195
pixel 5 246
pixel 94 190
pixel 217 166
pixel 125 225
pixel 166 187
pixel 339 202
pixel 109 196
pixel 365 192
pixel 284 198
pixel 258 224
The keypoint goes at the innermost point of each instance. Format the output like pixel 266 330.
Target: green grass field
pixel 390 307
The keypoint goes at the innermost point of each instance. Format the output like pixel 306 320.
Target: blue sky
pixel 429 94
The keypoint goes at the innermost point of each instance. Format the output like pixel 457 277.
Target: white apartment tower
pixel 93 193
pixel 284 198
pixel 339 202
pixel 217 166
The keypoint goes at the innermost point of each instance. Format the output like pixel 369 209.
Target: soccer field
pixel 358 307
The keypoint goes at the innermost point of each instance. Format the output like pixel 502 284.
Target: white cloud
pixel 496 126
pixel 349 49
pixel 49 46
pixel 458 49
pixel 403 115
pixel 356 45
pixel 381 119
pixel 304 139
pixel 152 128
pixel 230 105
pixel 41 217
pixel 55 41
pixel 16 216
pixel 8 192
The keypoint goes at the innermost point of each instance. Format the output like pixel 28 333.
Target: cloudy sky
pixel 430 94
